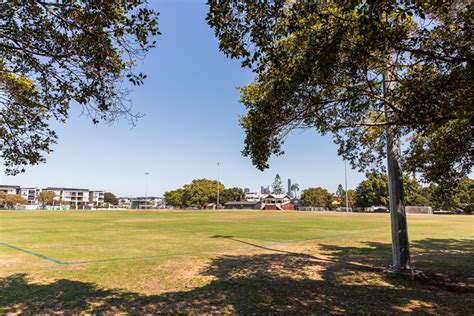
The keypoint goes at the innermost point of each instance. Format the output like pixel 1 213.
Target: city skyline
pixel 245 189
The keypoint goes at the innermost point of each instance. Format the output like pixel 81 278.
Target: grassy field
pixel 230 262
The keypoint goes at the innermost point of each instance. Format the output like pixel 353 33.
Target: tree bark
pixel 400 244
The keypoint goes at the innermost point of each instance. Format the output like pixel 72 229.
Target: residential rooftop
pixel 66 189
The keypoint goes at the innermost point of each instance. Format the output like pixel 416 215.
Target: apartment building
pixel 10 189
pixel 77 198
pixel 96 198
pixel 124 202
pixel 30 194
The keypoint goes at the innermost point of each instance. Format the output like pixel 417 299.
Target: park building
pixel 242 205
pixel 148 202
pixel 253 196
pixel 275 202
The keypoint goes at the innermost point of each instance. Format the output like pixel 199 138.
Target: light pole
pixel 146 189
pixel 218 187
pixel 345 184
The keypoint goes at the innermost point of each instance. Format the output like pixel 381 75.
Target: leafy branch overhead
pixel 321 65
pixel 59 54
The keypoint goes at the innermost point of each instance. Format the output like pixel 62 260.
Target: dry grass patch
pixel 230 262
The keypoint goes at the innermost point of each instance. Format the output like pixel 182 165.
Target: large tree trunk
pixel 400 248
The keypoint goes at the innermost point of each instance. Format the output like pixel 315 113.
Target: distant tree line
pixel 202 192
pixel 11 200
pixel 373 191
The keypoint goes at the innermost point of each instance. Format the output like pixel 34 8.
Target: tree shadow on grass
pixel 453 258
pixel 450 258
pixel 348 280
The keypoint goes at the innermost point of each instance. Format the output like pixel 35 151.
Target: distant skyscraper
pixel 246 190
pixel 265 190
pixel 289 187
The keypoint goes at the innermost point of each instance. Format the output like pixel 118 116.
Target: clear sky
pixel 191 108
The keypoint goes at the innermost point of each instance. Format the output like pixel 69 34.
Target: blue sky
pixel 191 108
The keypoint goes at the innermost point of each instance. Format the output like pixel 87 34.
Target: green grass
pixel 228 261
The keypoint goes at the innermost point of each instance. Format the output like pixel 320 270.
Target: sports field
pixel 230 262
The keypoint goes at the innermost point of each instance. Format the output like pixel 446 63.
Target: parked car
pixel 344 209
pixel 378 209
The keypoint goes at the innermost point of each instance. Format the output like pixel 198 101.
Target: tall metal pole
pixel 400 248
pixel 218 187
pixel 146 189
pixel 345 183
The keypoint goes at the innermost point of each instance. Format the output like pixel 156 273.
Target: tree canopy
pixel 58 54
pixel 316 197
pixel 295 187
pixel 198 193
pixel 46 197
pixel 460 197
pixel 340 192
pixel 324 65
pixel 373 191
pixel 175 198
pixel 231 194
pixel 11 200
pixel 110 198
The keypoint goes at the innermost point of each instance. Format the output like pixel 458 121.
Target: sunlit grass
pixel 157 252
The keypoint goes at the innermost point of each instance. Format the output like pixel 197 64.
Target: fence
pixel 419 210
pixel 312 209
